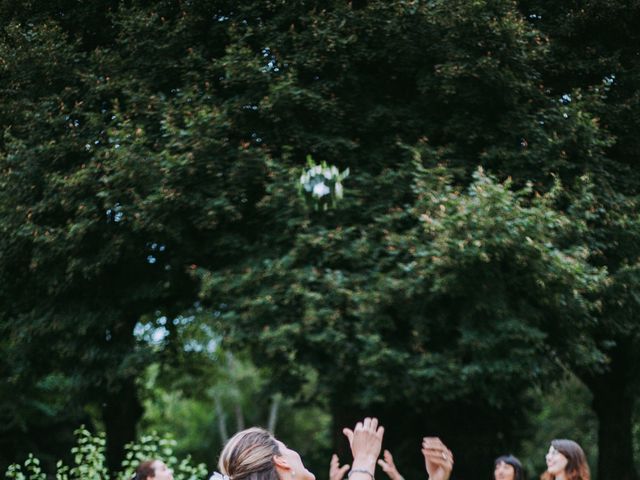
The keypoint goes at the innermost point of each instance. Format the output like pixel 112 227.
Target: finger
pixel 344 468
pixel 437 452
pixel 387 456
pixel 334 460
pixel 441 462
pixel 434 442
pixel 437 458
pixel 359 426
pixel 384 465
pixel 349 434
pixel 367 423
pixel 380 432
pixel 435 464
pixel 432 439
pixel 434 445
pixel 374 424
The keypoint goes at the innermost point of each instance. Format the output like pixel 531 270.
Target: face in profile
pixel 504 471
pixel 556 461
pixel 162 472
pixel 294 462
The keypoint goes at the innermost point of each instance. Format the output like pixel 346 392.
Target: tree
pixel 454 309
pixel 593 47
pixel 467 89
pixel 143 140
pixel 98 235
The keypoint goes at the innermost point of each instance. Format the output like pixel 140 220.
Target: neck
pixel 560 476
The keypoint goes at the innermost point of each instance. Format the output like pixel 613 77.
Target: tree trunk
pixel 273 412
pixel 613 404
pixel 614 407
pixel 239 417
pixel 121 412
pixel 222 419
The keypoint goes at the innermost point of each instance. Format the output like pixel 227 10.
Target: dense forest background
pixel 162 267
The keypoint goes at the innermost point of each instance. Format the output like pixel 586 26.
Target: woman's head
pixel 254 454
pixel 508 467
pixel 153 469
pixel 566 457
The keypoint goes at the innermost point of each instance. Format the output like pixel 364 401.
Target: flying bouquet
pixel 321 185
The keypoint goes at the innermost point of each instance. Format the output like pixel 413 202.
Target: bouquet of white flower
pixel 321 185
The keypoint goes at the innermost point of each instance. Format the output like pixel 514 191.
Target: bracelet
pixel 361 470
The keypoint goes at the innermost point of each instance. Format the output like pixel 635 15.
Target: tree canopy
pixel 487 237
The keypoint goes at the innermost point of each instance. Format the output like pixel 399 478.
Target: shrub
pixel 89 461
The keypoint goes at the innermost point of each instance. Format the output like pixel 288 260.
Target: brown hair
pixel 248 455
pixel 577 467
pixel 144 471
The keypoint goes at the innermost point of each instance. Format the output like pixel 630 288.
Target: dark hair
pixel 577 467
pixel 514 462
pixel 144 471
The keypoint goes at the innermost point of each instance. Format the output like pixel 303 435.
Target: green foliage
pixel 487 245
pixel 89 461
pixel 154 446
pixel 143 142
pixel 237 394
pixel 32 470
pixel 460 293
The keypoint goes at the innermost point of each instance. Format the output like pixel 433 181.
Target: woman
pixel 566 461
pixel 152 469
pixel 254 454
pixel 508 467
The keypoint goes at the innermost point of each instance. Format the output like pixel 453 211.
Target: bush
pixel 89 462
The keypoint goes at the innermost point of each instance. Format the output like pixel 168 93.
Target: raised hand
pixel 438 459
pixel 336 472
pixel 389 467
pixel 366 442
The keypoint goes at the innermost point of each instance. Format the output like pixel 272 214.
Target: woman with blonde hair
pixel 566 461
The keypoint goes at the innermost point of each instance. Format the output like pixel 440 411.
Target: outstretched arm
pixel 366 442
pixel 438 459
pixel 389 467
pixel 336 472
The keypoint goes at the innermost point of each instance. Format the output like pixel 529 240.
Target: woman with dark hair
pixel 566 461
pixel 508 467
pixel 152 470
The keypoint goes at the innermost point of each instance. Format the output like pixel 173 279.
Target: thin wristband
pixel 361 470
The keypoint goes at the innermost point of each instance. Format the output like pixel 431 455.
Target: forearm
pixel 363 468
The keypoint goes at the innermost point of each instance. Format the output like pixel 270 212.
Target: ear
pixel 280 463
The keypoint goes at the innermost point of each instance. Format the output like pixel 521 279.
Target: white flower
pixel 338 190
pixel 320 190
